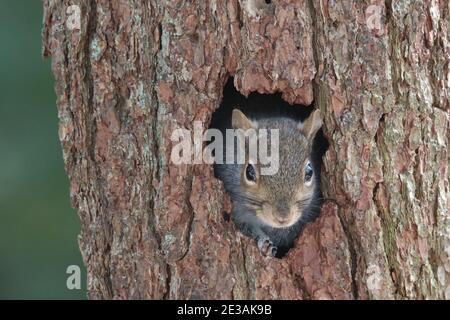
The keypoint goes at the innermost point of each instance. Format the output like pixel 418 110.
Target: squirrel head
pixel 281 199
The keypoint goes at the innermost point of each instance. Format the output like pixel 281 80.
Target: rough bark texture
pixel 137 70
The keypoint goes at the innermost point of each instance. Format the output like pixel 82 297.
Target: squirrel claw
pixel 266 247
pixel 273 252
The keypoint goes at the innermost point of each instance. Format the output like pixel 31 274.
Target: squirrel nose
pixel 282 220
pixel 283 210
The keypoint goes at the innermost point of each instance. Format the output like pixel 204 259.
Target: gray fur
pixel 295 150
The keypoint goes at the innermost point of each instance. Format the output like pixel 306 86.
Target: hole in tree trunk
pixel 281 203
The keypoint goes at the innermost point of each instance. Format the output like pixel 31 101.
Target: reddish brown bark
pixel 135 71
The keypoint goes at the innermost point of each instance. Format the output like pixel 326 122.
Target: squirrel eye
pixel 308 172
pixel 250 173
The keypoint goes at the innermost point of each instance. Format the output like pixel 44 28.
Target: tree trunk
pixel 133 71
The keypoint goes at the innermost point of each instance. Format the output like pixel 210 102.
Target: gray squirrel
pixel 272 209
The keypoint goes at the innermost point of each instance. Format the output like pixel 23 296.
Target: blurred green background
pixel 38 227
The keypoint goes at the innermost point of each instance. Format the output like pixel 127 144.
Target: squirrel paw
pixel 266 247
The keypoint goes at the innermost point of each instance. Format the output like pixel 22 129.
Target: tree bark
pixel 136 70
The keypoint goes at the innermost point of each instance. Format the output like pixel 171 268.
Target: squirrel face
pixel 281 199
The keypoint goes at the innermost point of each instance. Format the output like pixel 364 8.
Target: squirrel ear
pixel 240 121
pixel 311 125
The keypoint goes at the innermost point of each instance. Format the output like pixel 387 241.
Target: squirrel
pixel 272 209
